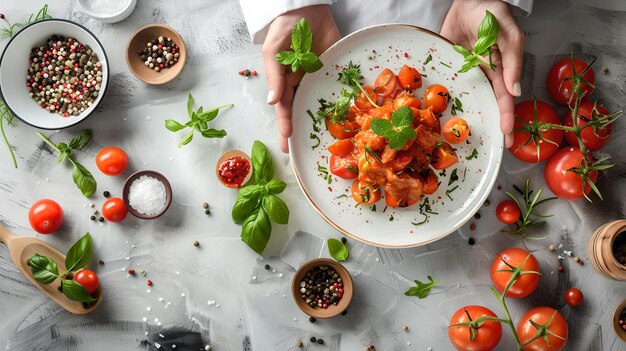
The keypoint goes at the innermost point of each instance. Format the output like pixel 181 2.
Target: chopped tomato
pixel 407 101
pixel 409 78
pixel 428 118
pixel 430 182
pixel 455 130
pixel 400 161
pixel 387 101
pixel 365 194
pixel 362 102
pixel 344 167
pixel 437 97
pixel 444 156
pixel 386 83
pixel 342 131
pixel 403 191
pixel 426 138
pixel 342 148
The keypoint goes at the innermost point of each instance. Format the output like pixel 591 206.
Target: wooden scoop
pixel 23 248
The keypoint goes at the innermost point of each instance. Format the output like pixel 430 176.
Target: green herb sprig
pixel 422 290
pixel 338 250
pixel 11 29
pixel 487 38
pixel 397 131
pixel 351 76
pixel 258 203
pixel 198 121
pixel 83 179
pixel 46 271
pixel 6 117
pixel 528 206
pixel 300 56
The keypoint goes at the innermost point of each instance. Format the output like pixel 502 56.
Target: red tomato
pixel 342 148
pixel 526 283
pixel 428 118
pixel 344 167
pixel 560 89
pixel 593 140
pixel 114 209
pixel 111 160
pixel 88 280
pixel 456 130
pixel 573 297
pixel 430 183
pixel 386 83
pixel 541 315
pixel 565 183
pixel 45 216
pixel 444 156
pixel 362 102
pixel 487 335
pixel 410 101
pixel 525 111
pixel 409 78
pixel 437 97
pixel 508 212
pixel 365 193
pixel 342 131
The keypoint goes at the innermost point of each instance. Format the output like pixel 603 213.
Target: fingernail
pixel 270 96
pixel 517 89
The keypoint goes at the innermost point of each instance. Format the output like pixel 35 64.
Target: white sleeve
pixel 521 8
pixel 259 14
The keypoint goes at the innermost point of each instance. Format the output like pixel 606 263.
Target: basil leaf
pixel 83 179
pixel 301 36
pixel 310 62
pixel 63 148
pixel 79 141
pixel 44 269
pixel 276 186
pixel 186 140
pixel 473 62
pixel 190 106
pixel 338 250
pixel 262 164
pixel 173 126
pixel 75 291
pixel 62 156
pixel 213 133
pixel 247 201
pixel 285 57
pixel 210 115
pixel 398 141
pixel 461 50
pixel 483 44
pixel 402 117
pixel 79 254
pixel 276 209
pixel 382 127
pixel 256 230
pixel 422 289
pixel 488 27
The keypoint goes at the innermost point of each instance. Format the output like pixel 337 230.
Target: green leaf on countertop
pixel 421 290
pixel 338 250
pixel 256 230
pixel 275 208
pixel 79 255
pixel 74 291
pixel 83 179
pixel 276 186
pixel 79 141
pixel 44 269
pixel 262 164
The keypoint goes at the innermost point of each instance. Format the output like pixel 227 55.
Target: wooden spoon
pixel 23 248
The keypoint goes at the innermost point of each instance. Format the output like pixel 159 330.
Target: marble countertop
pixel 220 293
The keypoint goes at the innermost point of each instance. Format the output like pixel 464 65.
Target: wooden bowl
pixel 621 333
pixel 601 253
pixel 158 176
pixel 332 310
pixel 229 154
pixel 138 41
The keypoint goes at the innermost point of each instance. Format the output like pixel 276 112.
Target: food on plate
pixel 437 97
pixel 147 195
pixel 321 287
pixel 45 216
pixel 564 174
pixel 234 171
pixel 504 266
pixel 573 297
pixel 456 130
pixel 64 76
pixel 593 138
pixel 553 337
pixel 88 280
pixel 562 79
pixel 160 53
pixel 530 142
pixel 111 160
pixel 114 209
pixel 475 336
pixel 508 212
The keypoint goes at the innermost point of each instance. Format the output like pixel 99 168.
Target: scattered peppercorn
pixel 472 227
pixel 552 247
pixel 92 205
pixel 344 240
pixel 321 287
pixel 1 15
pixel 499 187
pixel 101 219
pixel 106 194
pixel 160 53
pixel 149 282
pixel 267 266
pixel 405 328
pixel 254 73
pixel 299 343
pixel 561 269
pixel 142 272
pixel 207 212
pixel 93 218
pixel 312 319
pixel 406 54
pixel 576 259
pixel 313 339
pixel 487 203
pixel 471 241
pixel 131 271
pixel 605 69
pixel 196 243
pixel 344 312
pixel 320 341
pixel 205 205
pixel 101 262
pixel 371 347
pixel 477 215
pixel 580 262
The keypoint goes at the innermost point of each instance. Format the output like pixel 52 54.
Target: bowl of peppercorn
pixel 619 320
pixel 156 54
pixel 53 74
pixel 322 288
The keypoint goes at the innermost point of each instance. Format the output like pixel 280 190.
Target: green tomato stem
pixel 509 320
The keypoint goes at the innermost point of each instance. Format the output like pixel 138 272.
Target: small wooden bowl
pixel 225 156
pixel 332 310
pixel 601 253
pixel 138 41
pixel 621 333
pixel 158 176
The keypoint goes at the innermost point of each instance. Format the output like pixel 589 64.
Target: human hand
pixel 461 26
pixel 281 81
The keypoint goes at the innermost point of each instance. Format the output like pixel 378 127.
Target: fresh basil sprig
pixel 198 121
pixel 300 55
pixel 46 271
pixel 257 203
pixel 421 290
pixel 83 179
pixel 338 250
pixel 487 37
pixel 397 131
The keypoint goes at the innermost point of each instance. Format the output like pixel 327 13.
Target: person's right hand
pixel 281 81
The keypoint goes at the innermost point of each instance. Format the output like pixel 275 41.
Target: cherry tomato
pixel 429 182
pixel 525 111
pixel 593 140
pixel 111 160
pixel 342 131
pixel 437 97
pixel 409 78
pixel 456 130
pixel 386 83
pixel 526 283
pixel 563 182
pixel 560 89
pixel 45 216
pixel 114 209
pixel 573 297
pixel 344 167
pixel 508 212
pixel 88 280
pixel 362 102
pixel 342 148
pixel 365 193
pixel 444 156
pixel 487 336
pixel 541 315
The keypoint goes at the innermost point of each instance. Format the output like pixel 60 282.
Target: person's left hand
pixel 461 27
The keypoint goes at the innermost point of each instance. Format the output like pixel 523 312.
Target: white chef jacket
pixel 351 15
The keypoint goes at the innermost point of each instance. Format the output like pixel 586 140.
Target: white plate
pixel 393 227
pixel 14 66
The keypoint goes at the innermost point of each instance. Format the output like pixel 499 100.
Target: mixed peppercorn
pixel 160 53
pixel 321 287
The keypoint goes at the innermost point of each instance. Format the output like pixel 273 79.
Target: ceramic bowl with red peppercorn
pixel 234 169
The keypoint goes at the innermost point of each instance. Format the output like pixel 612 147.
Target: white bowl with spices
pixel 147 194
pixel 107 11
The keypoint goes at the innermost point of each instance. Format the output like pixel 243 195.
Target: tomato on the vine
pixel 561 88
pixel 526 283
pixel 114 209
pixel 508 212
pixel 541 315
pixel 487 335
pixel 456 130
pixel 88 280
pixel 592 139
pixel 112 160
pixel 573 297
pixel 561 178
pixel 45 216
pixel 525 143
pixel 437 97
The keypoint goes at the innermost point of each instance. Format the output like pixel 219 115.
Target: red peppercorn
pixel 620 322
pixel 241 73
pixel 472 227
pixel 131 271
pixel 561 269
pixel 406 54
pixel 149 282
pixel 254 73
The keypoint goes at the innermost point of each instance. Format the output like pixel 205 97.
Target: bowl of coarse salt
pixel 147 194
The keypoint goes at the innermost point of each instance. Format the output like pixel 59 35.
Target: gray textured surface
pixel 252 308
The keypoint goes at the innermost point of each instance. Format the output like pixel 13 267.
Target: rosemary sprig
pixel 528 218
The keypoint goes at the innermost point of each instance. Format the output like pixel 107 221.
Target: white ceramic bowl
pixel 93 8
pixel 14 67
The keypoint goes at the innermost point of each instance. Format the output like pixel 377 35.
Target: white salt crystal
pixel 147 195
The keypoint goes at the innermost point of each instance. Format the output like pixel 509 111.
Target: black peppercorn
pixel 471 241
pixel 477 215
pixel 101 219
pixel 313 339
pixel 344 312
pixel 312 319
pixel 207 212
pixel 93 218
pixel 100 262
pixel 320 341
pixel 267 266
pixel 106 194
pixel 344 240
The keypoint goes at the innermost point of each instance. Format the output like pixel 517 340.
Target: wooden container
pixel 601 251
pixel 621 333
